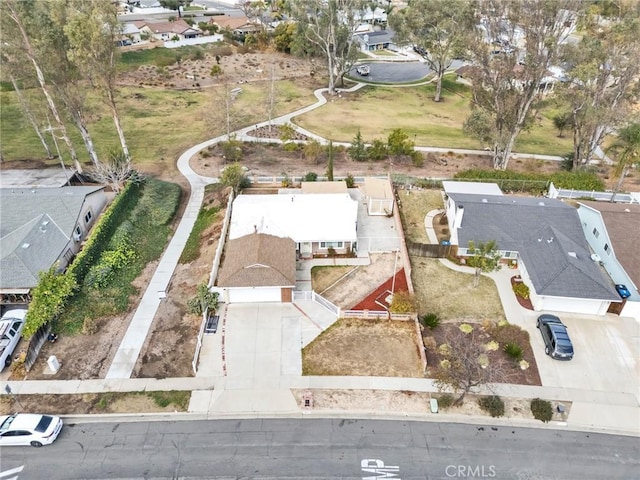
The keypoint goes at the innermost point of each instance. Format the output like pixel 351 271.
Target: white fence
pixel 555 192
pixel 377 314
pixel 193 41
pixel 319 299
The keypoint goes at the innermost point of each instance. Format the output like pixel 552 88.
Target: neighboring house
pixel 165 31
pixel 613 231
pixel 257 268
pixel 319 224
pixel 42 226
pixel 545 237
pixel 226 22
pixel 378 196
pixel 131 32
pixel 371 41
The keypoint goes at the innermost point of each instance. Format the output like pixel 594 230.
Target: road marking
pixel 378 468
pixel 6 473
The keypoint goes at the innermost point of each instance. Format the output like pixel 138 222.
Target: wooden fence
pixel 432 250
pixel 35 345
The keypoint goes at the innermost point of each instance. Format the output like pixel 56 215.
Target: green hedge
pixel 101 234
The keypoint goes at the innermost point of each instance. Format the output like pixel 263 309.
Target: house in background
pixel 613 231
pixel 257 268
pixel 130 31
pixel 42 226
pixel 378 195
pixel 319 224
pixel 371 41
pixel 546 239
pixel 166 31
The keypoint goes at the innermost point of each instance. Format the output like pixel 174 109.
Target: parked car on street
pixel 29 429
pixel 11 325
pixel 557 343
pixel 363 70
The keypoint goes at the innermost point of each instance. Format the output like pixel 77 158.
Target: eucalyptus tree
pixel 21 22
pixel 92 30
pixel 602 74
pixel 329 26
pixel 438 28
pixel 512 46
pixel 627 149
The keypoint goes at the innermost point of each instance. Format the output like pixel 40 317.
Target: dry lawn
pixel 451 295
pixel 355 347
pixel 414 208
pixel 324 277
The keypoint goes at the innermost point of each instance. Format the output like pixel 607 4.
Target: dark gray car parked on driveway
pixel 557 343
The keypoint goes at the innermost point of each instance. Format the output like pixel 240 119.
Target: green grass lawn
pixel 414 208
pixel 376 111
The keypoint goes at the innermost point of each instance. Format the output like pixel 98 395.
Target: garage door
pixel 557 304
pixel 251 295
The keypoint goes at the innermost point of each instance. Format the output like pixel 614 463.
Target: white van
pixel 11 325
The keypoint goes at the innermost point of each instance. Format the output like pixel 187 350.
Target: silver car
pixel 11 325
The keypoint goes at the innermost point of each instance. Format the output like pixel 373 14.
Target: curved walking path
pixel 590 414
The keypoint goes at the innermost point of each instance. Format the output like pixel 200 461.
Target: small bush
pixel 417 158
pixel 378 150
pixel 445 401
pixel 290 147
pixel 89 326
pixel 514 351
pixel 216 70
pixel 541 410
pixel 521 290
pixel 350 181
pixel 430 320
pixel 310 177
pixel 493 404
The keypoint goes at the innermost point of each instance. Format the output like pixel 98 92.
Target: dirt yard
pixel 379 348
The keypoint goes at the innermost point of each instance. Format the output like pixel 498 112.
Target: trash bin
pixel 434 405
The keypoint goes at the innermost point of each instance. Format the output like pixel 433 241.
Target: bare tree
pixel 92 29
pixel 272 96
pixel 114 171
pixel 18 14
pixel 465 364
pixel 329 26
pixel 506 80
pixel 436 28
pixel 603 71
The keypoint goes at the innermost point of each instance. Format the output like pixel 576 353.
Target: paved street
pixel 322 449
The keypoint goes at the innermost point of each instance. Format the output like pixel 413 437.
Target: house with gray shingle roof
pixel 42 226
pixel 612 230
pixel 546 239
pixel 257 268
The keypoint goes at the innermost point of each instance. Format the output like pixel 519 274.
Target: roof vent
pixel 572 254
pixel 550 239
pixel 484 200
pixel 595 257
pixel 26 245
pixel 627 210
pixel 541 204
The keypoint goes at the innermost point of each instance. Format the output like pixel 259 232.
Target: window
pixel 596 233
pixel 607 249
pixel 326 245
pixel 88 216
pixel 77 234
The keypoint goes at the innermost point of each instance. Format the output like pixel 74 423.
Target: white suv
pixel 11 325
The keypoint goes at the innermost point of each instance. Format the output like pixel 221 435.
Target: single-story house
pixel 165 31
pixel 227 22
pixel 319 224
pixel 41 227
pixel 371 41
pixel 545 237
pixel 612 230
pixel 378 195
pixel 131 31
pixel 257 268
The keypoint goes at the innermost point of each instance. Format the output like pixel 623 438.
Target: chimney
pixel 255 229
pixel 457 222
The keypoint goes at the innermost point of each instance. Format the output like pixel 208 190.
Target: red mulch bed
pixel 369 303
pixel 524 302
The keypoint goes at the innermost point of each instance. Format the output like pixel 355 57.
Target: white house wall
pixel 631 309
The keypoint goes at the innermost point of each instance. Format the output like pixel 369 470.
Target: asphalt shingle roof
pixel 258 260
pixel 548 236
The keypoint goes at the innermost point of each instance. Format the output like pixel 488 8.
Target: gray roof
pixel 548 236
pixel 35 227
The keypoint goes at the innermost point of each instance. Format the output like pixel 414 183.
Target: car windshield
pixel 44 423
pixel 7 423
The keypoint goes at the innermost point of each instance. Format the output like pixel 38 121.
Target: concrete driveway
pixel 606 354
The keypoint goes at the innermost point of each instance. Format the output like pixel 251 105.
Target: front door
pixel 305 250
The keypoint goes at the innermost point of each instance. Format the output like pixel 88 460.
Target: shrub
pixel 504 333
pixel 514 351
pixel 493 404
pixel 431 320
pixel 521 290
pixel 466 328
pixel 378 150
pixel 350 181
pixel 216 70
pixel 290 147
pixel 399 143
pixel 445 401
pixel 417 158
pixel 89 326
pixel 541 410
pixel 232 150
pixel 402 302
pixel 310 177
pixel 429 343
